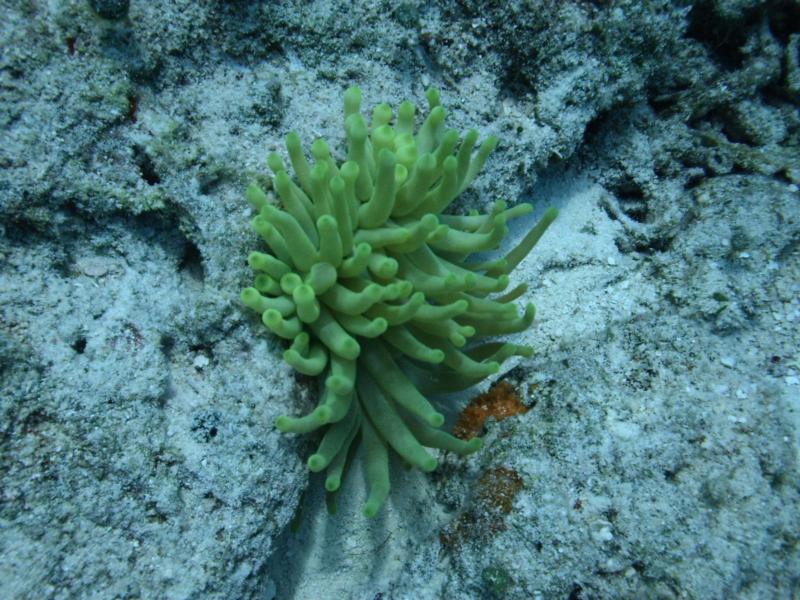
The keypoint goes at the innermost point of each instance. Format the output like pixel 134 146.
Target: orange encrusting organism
pixel 500 402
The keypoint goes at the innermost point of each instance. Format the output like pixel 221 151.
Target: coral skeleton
pixel 378 292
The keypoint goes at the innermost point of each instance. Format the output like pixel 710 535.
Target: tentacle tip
pixel 439 233
pixel 353 93
pixel 249 295
pixel 436 420
pixel 386 158
pixel 322 414
pixel 371 509
pixel 332 483
pixel 437 115
pixel 349 349
pixel 283 423
pixel 379 327
pixel 502 265
pixel 429 464
pixel 316 462
pixel 327 222
pixel 499 206
pixel 457 340
pixel 405 287
pixel 349 170
pixel 474 445
pixel 429 221
pixel 525 351
pixel 373 292
pixel 271 318
pixel 293 139
pixel 339 385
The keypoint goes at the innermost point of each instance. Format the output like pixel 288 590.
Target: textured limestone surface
pixel 657 455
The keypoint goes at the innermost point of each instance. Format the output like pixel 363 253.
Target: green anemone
pixel 369 281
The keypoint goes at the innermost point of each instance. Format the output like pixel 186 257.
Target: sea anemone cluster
pixel 378 291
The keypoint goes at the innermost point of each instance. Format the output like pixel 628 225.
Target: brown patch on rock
pixel 494 498
pixel 500 402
